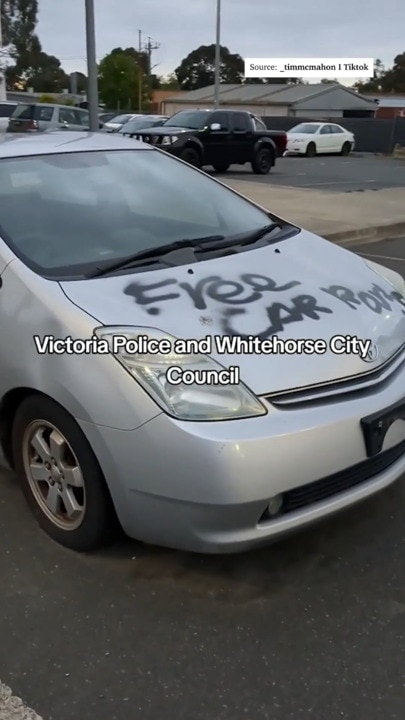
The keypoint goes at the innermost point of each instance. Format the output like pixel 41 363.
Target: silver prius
pixel 177 361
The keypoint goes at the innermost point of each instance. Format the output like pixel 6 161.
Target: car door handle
pixel 64 126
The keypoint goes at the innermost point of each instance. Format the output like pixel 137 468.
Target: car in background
pixel 40 117
pixel 142 123
pixel 105 117
pixel 315 138
pixel 132 286
pixel 116 123
pixel 6 110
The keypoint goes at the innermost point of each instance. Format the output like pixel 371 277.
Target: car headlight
pixel 181 401
pixel 169 139
pixel 392 277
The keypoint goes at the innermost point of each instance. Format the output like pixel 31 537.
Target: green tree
pixel 119 80
pixel 19 20
pixel 169 82
pixel 374 84
pixel 197 70
pixel 393 80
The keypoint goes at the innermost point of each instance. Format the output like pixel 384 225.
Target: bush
pixel 46 99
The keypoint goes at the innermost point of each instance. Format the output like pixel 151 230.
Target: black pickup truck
pixel 218 138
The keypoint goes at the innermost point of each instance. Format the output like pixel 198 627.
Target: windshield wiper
pixel 245 239
pixel 151 253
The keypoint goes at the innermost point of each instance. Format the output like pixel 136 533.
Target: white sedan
pixel 312 138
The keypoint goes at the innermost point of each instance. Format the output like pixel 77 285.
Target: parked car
pixel 106 117
pixel 131 127
pixel 6 110
pixel 219 138
pixel 314 138
pixel 38 117
pixel 118 121
pixel 130 285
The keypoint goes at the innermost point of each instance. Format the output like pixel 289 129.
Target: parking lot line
pixel 13 708
pixel 384 257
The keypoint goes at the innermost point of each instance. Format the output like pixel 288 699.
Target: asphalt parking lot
pixel 313 627
pixel 331 173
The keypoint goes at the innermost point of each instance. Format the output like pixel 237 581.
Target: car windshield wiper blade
pixel 151 253
pixel 245 239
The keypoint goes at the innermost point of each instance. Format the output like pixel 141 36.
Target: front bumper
pixel 205 487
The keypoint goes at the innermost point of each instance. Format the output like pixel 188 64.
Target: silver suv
pixel 38 117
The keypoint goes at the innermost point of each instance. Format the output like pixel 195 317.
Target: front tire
pixel 263 161
pixel 311 150
pixel 346 147
pixel 61 478
pixel 191 156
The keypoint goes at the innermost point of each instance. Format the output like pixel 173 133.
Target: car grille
pixel 330 391
pixel 341 481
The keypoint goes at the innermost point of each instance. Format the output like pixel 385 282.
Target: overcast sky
pixel 255 28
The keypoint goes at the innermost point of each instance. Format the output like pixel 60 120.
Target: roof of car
pixel 65 141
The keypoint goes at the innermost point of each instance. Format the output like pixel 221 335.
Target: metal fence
pixel 375 135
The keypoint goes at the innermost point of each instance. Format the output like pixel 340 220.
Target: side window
pixel 325 130
pixel 258 124
pixel 240 122
pixel 82 118
pixel 68 115
pixel 44 113
pixel 6 110
pixel 336 129
pixel 221 118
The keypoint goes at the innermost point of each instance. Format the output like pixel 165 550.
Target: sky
pixel 255 29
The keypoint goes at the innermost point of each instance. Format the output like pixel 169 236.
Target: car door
pixel 241 137
pixel 69 119
pixel 339 137
pixel 324 142
pixel 216 142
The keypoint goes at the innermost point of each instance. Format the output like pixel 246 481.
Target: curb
pixel 368 234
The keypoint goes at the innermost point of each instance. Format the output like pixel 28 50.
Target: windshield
pixel 121 118
pixel 66 214
pixel 186 119
pixel 306 128
pixel 140 124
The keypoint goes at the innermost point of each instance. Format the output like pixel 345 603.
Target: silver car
pixel 39 117
pixel 178 361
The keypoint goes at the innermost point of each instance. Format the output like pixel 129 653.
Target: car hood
pixel 300 288
pixel 161 130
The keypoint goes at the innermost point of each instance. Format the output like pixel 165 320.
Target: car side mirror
pixel 214 127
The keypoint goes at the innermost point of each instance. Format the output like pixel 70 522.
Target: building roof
pixel 266 94
pixel 391 102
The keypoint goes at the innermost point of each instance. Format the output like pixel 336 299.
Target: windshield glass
pixel 65 215
pixel 140 124
pixel 306 128
pixel 186 119
pixel 121 118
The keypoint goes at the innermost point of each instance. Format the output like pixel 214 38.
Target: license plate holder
pixel 376 426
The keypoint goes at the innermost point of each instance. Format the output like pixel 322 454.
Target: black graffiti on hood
pixel 249 288
pixel 279 315
pixel 376 298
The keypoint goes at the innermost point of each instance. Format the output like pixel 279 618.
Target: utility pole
pixel 140 79
pixel 3 93
pixel 150 46
pixel 217 54
pixel 92 82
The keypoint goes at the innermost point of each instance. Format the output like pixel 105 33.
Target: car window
pixel 121 119
pixel 305 128
pixel 193 120
pixel 6 110
pixel 258 124
pixel 336 129
pixel 23 112
pixel 82 118
pixel 239 122
pixel 44 113
pixel 69 116
pixel 83 208
pixel 325 130
pixel 221 118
